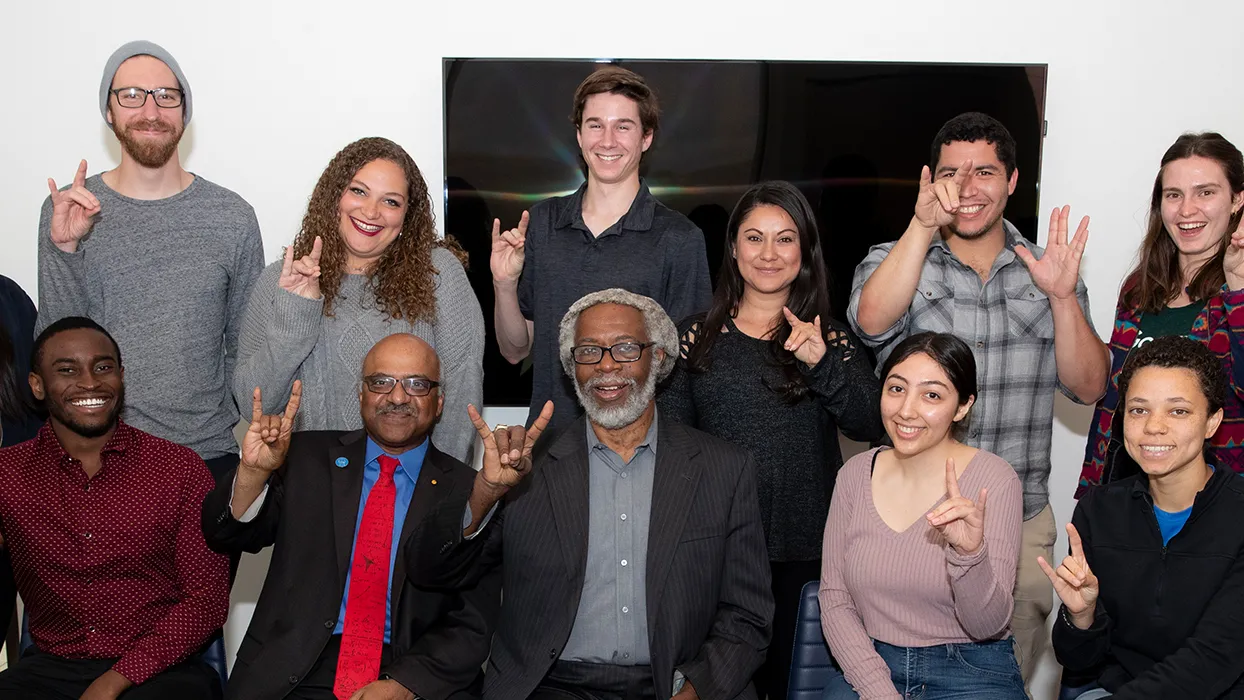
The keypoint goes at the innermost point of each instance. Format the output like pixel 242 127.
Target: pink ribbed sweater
pixel 910 588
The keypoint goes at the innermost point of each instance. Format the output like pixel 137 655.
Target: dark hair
pixel 68 323
pixel 975 126
pixel 809 293
pixel 15 402
pixel 617 80
pixel 951 354
pixel 1178 352
pixel 1157 278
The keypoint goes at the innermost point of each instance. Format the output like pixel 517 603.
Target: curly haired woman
pixel 366 264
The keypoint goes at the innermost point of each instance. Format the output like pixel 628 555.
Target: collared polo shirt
pixel 652 250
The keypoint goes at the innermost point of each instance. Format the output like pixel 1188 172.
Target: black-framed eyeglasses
pixel 135 97
pixel 413 386
pixel 621 352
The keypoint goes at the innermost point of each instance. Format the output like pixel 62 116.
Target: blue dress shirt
pixel 405 478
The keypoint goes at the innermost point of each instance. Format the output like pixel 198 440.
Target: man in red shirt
pixel 102 523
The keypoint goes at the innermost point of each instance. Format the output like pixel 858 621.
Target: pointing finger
pixel 256 406
pixel 287 265
pixel 952 479
pixel 1077 546
pixel 1049 570
pixel 53 189
pixel 316 247
pixel 291 408
pixel 496 230
pixel 926 177
pixel 961 175
pixel 538 426
pixel 79 178
pixel 522 224
pixel 481 427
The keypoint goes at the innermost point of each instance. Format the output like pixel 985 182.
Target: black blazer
pixel 1170 618
pixel 707 581
pixel 439 639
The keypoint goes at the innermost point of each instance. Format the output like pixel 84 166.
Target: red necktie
pixel 362 633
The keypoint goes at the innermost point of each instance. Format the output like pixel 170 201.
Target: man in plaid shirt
pixel 961 268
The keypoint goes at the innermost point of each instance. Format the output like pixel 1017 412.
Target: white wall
pixel 281 86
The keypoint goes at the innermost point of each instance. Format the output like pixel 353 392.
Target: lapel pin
pixel 434 482
pixel 342 461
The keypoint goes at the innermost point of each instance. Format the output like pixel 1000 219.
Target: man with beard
pixel 162 257
pixel 961 268
pixel 101 520
pixel 337 617
pixel 633 555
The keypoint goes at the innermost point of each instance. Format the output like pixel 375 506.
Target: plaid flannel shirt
pixel 1009 324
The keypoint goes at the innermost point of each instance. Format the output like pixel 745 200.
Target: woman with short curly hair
pixel 366 264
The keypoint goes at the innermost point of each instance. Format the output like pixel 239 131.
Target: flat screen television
pixel 852 135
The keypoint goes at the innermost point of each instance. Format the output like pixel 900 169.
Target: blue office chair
pixel 213 655
pixel 810 665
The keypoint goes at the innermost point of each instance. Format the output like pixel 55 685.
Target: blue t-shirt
pixel 1171 523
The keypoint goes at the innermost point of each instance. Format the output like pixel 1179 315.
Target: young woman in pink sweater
pixel 917 570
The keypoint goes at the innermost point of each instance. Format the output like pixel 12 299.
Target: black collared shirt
pixel 652 250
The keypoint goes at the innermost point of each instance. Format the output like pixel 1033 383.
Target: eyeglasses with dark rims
pixel 621 352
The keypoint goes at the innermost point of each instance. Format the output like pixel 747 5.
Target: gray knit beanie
pixel 142 48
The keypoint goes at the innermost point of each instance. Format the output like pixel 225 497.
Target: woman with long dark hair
pixel 366 264
pixel 768 369
pixel 18 417
pixel 1190 282
pixel 916 587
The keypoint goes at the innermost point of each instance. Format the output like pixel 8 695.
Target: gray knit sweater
pixel 169 279
pixel 287 337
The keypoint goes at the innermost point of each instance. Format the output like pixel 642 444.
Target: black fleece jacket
pixel 1169 619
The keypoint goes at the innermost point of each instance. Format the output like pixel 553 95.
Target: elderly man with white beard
pixel 631 546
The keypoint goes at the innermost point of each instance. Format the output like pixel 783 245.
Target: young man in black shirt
pixel 610 233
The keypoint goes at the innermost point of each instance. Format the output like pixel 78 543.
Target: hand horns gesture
pixel 302 276
pixel 1074 581
pixel 267 438
pixel 507 449
pixel 938 201
pixel 960 521
pixel 73 211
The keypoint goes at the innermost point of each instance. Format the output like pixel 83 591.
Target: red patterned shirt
pixel 114 567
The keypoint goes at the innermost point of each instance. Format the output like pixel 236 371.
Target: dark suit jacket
pixel 439 639
pixel 707 581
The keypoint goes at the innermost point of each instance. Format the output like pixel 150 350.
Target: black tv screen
pixel 852 136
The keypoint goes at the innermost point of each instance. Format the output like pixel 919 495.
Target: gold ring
pixel 500 426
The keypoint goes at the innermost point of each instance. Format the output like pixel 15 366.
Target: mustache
pixel 609 380
pixel 404 409
pixel 149 125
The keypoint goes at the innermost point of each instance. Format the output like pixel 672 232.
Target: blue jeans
pixel 945 672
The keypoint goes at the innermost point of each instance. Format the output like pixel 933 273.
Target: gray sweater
pixel 287 337
pixel 169 279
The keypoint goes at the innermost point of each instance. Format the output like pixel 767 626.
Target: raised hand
pixel 1233 260
pixel 508 251
pixel 1074 581
pixel 806 340
pixel 507 449
pixel 938 202
pixel 1057 272
pixel 302 276
pixel 960 521
pixel 73 211
pixel 267 438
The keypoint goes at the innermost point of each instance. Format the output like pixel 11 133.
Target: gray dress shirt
pixel 611 625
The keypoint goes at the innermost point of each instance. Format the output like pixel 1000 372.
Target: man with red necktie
pixel 337 617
